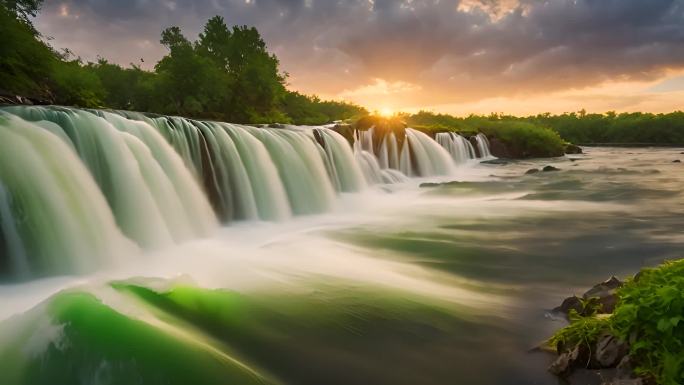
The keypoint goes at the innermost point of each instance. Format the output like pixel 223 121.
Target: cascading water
pixel 376 170
pixel 153 197
pixel 53 217
pixel 78 185
pixel 483 146
pixel 389 154
pixel 460 148
pixel 422 156
pixel 339 157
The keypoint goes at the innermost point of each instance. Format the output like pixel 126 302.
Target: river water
pixel 399 284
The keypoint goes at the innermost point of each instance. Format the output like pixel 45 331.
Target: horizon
pixel 455 57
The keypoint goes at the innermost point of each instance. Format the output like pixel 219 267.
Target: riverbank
pixel 626 332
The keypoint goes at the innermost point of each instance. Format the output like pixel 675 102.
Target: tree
pixel 25 61
pixel 22 9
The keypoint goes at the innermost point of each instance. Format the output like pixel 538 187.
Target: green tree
pixel 25 61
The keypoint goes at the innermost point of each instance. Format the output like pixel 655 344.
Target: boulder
pixel 499 149
pixel 532 171
pixel 550 168
pixel 570 303
pixel 569 360
pixel 572 149
pixel 630 381
pixel 603 297
pixel 610 351
pixel 499 161
pixel 625 369
pixel 676 161
pixel 604 288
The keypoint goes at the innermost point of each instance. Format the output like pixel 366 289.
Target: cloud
pixel 450 51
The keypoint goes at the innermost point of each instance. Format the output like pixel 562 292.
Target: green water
pixel 406 285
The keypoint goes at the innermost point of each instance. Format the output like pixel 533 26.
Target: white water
pixel 460 148
pixel 483 146
pixel 78 185
pixel 53 213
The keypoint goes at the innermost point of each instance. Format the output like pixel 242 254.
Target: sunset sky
pixel 469 56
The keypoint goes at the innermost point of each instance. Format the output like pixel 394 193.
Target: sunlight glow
pixel 386 112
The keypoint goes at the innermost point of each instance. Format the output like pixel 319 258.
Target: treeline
pixel 575 127
pixel 227 74
pixel 624 128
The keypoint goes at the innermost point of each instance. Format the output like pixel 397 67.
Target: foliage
pixel 525 138
pixel 650 315
pixel 25 61
pixel 582 330
pixel 616 128
pixel 310 110
pixel 651 312
pixel 228 74
pixel 74 84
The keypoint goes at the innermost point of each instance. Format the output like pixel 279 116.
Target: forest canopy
pixel 227 74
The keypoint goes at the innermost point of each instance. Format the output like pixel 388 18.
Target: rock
pixel 625 370
pixel 550 168
pixel 570 303
pixel 433 184
pixel 631 381
pixel 276 125
pixel 676 161
pixel 473 142
pixel 532 171
pixel 567 361
pixel 572 149
pixel 500 161
pixel 602 297
pixel 610 351
pixel 604 288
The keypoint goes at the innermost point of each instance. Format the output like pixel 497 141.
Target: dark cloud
pixel 451 50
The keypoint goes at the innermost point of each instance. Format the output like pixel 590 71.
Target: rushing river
pixel 371 280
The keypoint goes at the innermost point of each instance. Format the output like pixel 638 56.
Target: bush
pixel 526 138
pixel 651 312
pixel 650 316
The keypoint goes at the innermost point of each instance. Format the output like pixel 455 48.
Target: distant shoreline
pixel 672 145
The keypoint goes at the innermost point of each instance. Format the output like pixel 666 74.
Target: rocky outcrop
pixel 600 299
pixel 501 149
pixel 10 98
pixel 572 149
pixel 608 355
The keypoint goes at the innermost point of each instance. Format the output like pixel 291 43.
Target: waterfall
pixel 53 216
pixel 378 169
pixel 344 170
pixel 389 155
pixel 428 157
pixel 483 145
pixel 79 186
pixel 153 197
pixel 460 148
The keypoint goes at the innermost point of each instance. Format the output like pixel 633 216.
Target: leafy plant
pixel 650 316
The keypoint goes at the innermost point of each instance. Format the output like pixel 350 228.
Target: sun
pixel 386 112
